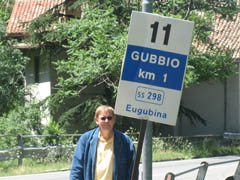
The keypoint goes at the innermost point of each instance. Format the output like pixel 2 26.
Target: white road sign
pixel 153 70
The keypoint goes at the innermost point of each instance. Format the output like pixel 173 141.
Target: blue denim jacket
pixel 84 158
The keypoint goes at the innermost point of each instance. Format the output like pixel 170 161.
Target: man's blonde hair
pixel 105 108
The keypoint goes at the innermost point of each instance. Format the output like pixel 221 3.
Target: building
pixel 40 74
pixel 218 103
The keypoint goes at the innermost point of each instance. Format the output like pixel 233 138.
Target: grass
pixel 11 168
pixel 182 148
pixel 169 155
pixel 163 149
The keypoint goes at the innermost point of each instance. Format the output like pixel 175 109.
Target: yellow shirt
pixel 104 163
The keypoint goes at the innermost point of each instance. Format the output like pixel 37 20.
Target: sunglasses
pixel 104 118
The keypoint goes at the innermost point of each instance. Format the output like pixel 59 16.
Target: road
pixel 160 169
pixel 218 172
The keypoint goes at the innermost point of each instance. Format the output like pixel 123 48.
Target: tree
pixel 95 44
pixel 15 116
pixel 22 120
pixel 12 65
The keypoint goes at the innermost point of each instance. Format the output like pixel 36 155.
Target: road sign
pixel 153 70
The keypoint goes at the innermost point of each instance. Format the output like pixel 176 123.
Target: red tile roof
pixel 226 33
pixel 25 11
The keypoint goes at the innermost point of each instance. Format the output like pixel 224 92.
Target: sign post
pixel 153 69
pixel 146 173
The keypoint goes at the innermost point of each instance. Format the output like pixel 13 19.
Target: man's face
pixel 105 121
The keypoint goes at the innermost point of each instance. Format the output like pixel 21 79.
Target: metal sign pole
pixel 147 153
pixel 147 6
pixel 152 75
pixel 147 143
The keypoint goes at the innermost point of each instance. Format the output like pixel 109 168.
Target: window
pixel 36 69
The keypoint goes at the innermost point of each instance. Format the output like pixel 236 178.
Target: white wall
pixel 233 104
pixel 42 89
pixel 208 101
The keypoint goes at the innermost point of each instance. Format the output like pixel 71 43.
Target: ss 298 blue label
pixel 149 95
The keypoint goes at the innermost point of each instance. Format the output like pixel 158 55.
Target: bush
pixel 185 148
pixel 54 129
pixel 24 120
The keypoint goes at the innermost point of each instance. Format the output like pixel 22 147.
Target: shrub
pixel 24 120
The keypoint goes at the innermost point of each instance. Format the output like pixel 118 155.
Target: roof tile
pixel 226 33
pixel 25 11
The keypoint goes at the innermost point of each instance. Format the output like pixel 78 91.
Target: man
pixel 103 153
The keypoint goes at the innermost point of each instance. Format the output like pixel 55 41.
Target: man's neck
pixel 106 135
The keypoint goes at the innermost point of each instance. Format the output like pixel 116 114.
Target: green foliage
pixel 132 132
pixel 164 148
pixel 80 117
pixel 3 16
pixel 23 120
pixel 12 66
pixel 172 144
pixel 52 128
pixel 92 48
pixel 73 114
pixel 34 165
pixel 169 148
pixel 208 147
pixel 184 8
pixel 95 45
pixel 217 65
pixel 95 51
pixel 39 28
pixel 5 9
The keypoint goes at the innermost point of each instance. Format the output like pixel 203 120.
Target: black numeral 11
pixel 154 33
pixel 167 30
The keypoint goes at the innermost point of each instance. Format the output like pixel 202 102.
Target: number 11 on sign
pixel 167 30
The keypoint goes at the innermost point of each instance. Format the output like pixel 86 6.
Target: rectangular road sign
pixel 153 70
